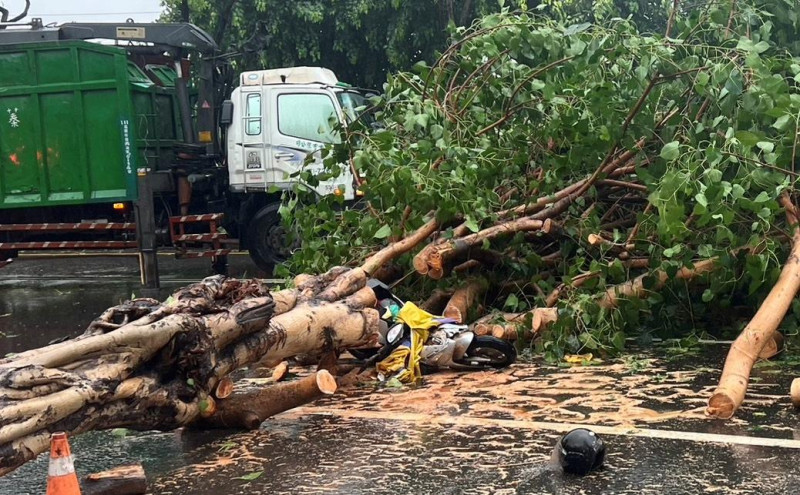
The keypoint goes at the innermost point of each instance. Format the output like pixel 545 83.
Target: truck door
pixel 251 145
pixel 304 121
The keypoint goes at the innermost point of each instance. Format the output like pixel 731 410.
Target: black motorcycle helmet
pixel 581 451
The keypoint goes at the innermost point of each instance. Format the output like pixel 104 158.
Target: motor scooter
pixel 449 345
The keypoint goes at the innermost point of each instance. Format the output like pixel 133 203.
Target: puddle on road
pixel 37 315
pixel 318 454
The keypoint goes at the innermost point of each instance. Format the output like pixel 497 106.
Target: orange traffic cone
pixel 61 478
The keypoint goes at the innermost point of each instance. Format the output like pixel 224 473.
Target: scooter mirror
pixel 394 334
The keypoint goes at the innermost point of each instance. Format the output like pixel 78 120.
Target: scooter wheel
pixel 362 354
pixel 496 353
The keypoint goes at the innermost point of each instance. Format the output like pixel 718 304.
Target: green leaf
pixel 670 151
pixel 471 224
pixel 766 146
pixel 782 122
pixel 190 382
pixel 762 197
pixel 383 232
pixel 761 47
pixel 745 44
pixel 577 28
pixel 394 383
pixel 707 295
pixel 120 432
pixel 251 476
pixel 734 84
pixel 512 301
pixel 701 198
pixel 747 138
pixel 618 340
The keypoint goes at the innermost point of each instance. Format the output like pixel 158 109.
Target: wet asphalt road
pixel 42 299
pixel 489 432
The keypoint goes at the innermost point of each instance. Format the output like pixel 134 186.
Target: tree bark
pixel 145 365
pixel 463 299
pixel 745 350
pixel 249 410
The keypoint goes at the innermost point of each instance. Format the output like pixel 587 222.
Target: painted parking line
pixel 548 426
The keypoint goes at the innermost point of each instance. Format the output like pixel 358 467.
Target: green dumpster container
pixel 77 120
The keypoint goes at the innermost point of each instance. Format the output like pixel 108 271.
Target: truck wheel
pixel 267 240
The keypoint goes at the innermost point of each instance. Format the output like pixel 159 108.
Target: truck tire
pixel 266 238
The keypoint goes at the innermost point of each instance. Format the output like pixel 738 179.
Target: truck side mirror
pixel 226 113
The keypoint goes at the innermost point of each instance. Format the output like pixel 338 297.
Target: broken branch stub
pixel 463 299
pixel 248 410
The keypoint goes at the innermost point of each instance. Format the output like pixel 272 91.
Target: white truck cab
pixel 274 119
pixel 279 117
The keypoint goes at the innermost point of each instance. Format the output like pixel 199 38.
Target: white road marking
pixel 554 427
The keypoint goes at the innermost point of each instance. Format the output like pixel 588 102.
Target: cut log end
pixel 795 392
pixel 721 406
pixel 482 329
pixel 123 480
pixel 326 382
pixel 420 264
pixel 280 371
pixel 208 407
pixel 595 240
pixel 543 317
pixel 505 332
pixel 224 388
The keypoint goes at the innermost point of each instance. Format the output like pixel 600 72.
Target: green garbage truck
pixel 105 143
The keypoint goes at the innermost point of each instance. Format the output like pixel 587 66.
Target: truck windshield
pixel 353 105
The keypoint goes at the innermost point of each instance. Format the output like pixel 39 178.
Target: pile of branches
pixel 589 182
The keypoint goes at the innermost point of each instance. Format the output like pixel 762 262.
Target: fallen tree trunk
pixel 163 369
pixel 636 287
pixel 463 299
pixel 145 365
pixel 745 350
pixel 434 258
pixel 509 326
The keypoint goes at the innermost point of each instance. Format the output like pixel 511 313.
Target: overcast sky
pixel 87 10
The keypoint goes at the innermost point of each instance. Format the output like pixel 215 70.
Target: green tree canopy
pixel 360 40
pixel 521 106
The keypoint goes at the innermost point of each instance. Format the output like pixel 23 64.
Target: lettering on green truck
pixel 126 139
